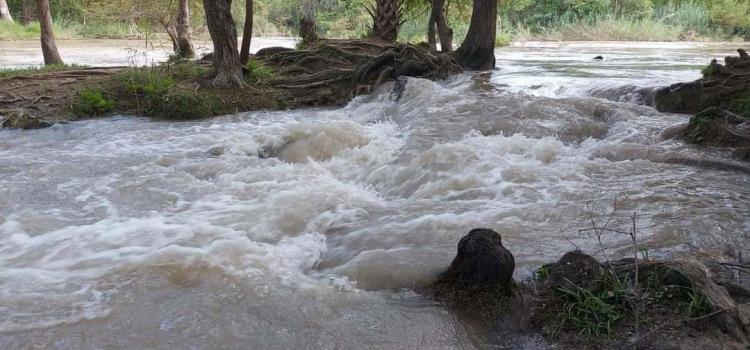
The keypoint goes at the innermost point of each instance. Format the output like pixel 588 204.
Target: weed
pixel 184 105
pixel 697 305
pixel 91 102
pixel 587 312
pixel 257 70
pixel 541 274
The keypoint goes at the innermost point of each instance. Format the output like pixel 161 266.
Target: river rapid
pixel 312 228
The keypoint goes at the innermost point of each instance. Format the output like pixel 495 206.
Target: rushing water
pixel 130 233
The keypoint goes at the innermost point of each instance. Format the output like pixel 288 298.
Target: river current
pixel 312 228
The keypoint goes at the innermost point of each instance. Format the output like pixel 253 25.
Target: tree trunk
pixel 27 12
pixel 184 32
pixel 5 11
pixel 444 31
pixel 431 40
pixel 247 32
pixel 49 48
pixel 307 27
pixel 386 19
pixel 224 37
pixel 478 49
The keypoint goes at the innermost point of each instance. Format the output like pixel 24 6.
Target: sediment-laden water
pixel 311 228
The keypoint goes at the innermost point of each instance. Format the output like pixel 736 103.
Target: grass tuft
pixel 91 102
pixel 257 70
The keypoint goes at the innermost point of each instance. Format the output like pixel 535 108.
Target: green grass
pixel 257 70
pixel 91 102
pixel 588 313
pixel 17 72
pixel 157 94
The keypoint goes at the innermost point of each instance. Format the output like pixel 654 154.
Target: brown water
pixel 129 233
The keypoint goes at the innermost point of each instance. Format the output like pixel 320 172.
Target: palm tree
pixel 386 17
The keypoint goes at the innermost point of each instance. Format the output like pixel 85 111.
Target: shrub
pixel 184 105
pixel 257 70
pixel 91 102
pixel 586 312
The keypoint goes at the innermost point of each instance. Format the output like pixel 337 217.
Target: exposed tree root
pixel 333 71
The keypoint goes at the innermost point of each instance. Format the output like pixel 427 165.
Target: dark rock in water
pixel 17 119
pixel 481 262
pixel 574 268
pixel 399 86
pixel 599 58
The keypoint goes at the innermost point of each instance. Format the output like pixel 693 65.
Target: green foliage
pixel 185 105
pixel 157 94
pixel 542 273
pixel 91 102
pixel 146 81
pixel 698 304
pixel 587 313
pixel 17 72
pixel 257 70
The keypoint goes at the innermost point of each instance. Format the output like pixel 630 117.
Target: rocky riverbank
pixel 579 302
pixel 719 102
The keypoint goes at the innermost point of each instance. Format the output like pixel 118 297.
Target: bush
pixel 91 102
pixel 257 70
pixel 185 105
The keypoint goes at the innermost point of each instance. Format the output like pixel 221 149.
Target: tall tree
pixel 386 18
pixel 224 37
pixel 49 48
pixel 184 31
pixel 247 32
pixel 477 52
pixel 307 27
pixel 431 32
pixel 27 12
pixel 5 11
pixel 444 31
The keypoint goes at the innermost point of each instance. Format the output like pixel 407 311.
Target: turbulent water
pixel 312 228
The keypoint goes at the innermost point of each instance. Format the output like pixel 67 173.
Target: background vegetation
pixel 651 20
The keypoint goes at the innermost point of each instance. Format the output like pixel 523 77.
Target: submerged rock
pixel 18 119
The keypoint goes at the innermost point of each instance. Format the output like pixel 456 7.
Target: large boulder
pixel 481 262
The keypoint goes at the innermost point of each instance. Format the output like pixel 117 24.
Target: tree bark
pixel 477 52
pixel 307 26
pixel 5 11
pixel 27 12
pixel 49 48
pixel 184 32
pixel 386 17
pixel 431 39
pixel 224 37
pixel 444 31
pixel 247 32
